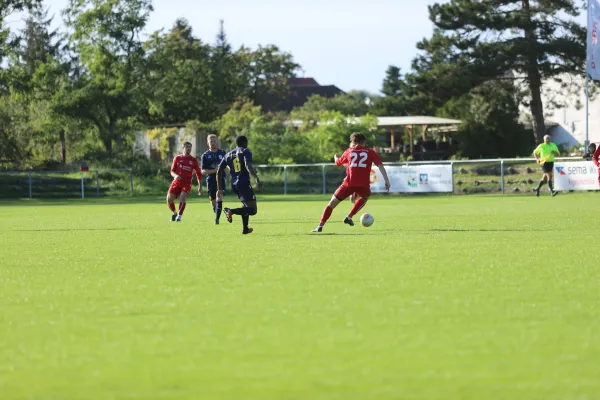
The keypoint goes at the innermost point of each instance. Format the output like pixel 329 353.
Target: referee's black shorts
pixel 547 167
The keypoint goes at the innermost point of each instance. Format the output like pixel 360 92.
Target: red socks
pixel 172 207
pixel 325 216
pixel 181 207
pixel 360 203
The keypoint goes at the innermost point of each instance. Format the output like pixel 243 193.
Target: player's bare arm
pixel 175 176
pixel 209 171
pixel 220 172
pixel 252 171
pixel 385 176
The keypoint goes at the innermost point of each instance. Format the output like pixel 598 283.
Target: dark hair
pixel 241 141
pixel 358 137
pixel 184 143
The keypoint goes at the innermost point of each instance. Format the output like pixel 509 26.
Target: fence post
pixel 324 181
pixel 452 176
pixel 82 186
pixel 285 183
pixel 97 185
pixel 502 175
pixel 30 186
pixel 131 179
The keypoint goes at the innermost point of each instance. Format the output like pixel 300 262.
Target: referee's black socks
pixel 540 184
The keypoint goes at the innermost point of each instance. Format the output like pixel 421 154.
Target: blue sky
pixel 347 43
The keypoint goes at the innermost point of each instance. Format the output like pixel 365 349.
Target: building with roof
pixel 300 90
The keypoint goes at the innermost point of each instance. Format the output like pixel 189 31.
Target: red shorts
pixel 178 186
pixel 343 192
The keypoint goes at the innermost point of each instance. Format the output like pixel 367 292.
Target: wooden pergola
pixel 433 124
pixel 443 125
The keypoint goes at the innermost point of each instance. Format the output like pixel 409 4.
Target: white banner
pixel 593 50
pixel 417 179
pixel 579 175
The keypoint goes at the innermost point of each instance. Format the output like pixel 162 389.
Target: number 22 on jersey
pixel 360 157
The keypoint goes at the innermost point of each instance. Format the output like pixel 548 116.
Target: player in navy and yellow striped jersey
pixel 239 162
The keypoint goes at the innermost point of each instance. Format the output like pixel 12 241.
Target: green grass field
pixel 450 297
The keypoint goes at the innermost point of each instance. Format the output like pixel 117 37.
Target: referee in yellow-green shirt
pixel 544 154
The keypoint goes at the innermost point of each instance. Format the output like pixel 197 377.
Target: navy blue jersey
pixel 236 161
pixel 211 160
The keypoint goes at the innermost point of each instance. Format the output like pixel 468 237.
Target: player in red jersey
pixel 358 160
pixel 595 158
pixel 184 165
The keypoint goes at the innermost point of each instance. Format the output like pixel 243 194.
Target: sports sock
pixel 540 185
pixel 550 185
pixel 182 207
pixel 325 216
pixel 218 209
pixel 360 203
pixel 245 220
pixel 172 207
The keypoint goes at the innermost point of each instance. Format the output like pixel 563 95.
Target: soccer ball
pixel 366 220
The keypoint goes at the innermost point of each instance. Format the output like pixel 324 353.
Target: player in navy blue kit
pixel 239 162
pixel 209 164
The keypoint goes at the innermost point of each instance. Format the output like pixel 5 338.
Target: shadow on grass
pixel 229 200
pixel 67 230
pixel 476 230
pixel 310 234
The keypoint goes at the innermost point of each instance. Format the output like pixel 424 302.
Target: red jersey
pixel 358 161
pixel 184 166
pixel 595 157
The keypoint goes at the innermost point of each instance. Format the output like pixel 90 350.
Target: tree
pixel 270 141
pixel 178 84
pixel 531 40
pixel 228 72
pixel 490 127
pixel 8 7
pixel 393 85
pixel 332 133
pixel 105 34
pixel 268 70
pixel 40 44
pixel 393 103
pixel 353 103
pixel 34 73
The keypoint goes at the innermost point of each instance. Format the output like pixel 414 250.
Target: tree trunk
pixel 107 142
pixel 119 142
pixel 63 147
pixel 112 125
pixel 534 78
pixel 537 108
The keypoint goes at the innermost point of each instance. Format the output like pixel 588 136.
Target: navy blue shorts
pixel 244 193
pixel 211 188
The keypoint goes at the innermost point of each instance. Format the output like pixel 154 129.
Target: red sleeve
pixel 595 156
pixel 375 158
pixel 198 172
pixel 174 165
pixel 343 160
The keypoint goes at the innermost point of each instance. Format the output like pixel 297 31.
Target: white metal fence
pixel 468 176
pixel 66 183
